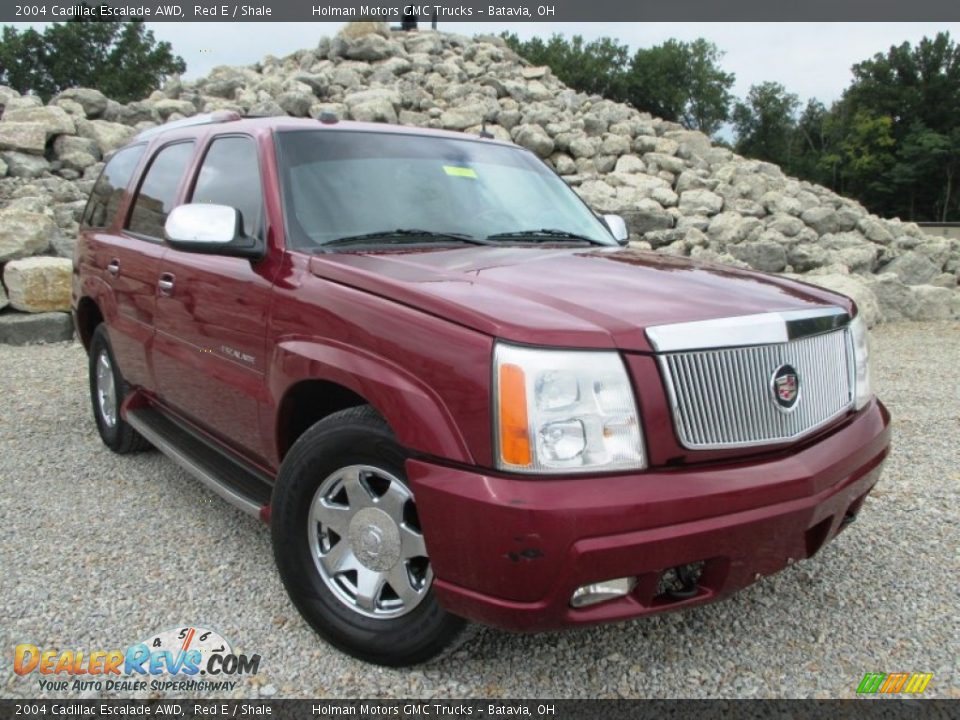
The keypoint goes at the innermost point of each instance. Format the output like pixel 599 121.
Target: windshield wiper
pixel 403 235
pixel 542 235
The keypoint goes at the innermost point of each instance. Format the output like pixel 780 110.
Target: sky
pixel 809 59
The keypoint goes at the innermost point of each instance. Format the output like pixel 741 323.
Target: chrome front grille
pixel 725 397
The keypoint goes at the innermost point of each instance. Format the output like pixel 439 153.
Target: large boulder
pixel 598 195
pixel 729 227
pixel 371 47
pixel 28 137
pixel 76 153
pixel 224 81
pixel 775 202
pixel 785 224
pixel 168 106
pixel 107 135
pixel 647 216
pixel 464 116
pixel 875 230
pixel 584 147
pixel 55 120
pixel 897 301
pixel 535 138
pixel 690 143
pixel 761 255
pixel 823 219
pixel 376 105
pixel 850 249
pixel 28 329
pixel 24 165
pixel 805 257
pixel 912 268
pixel 295 103
pixel 38 284
pixel 265 108
pixel 24 233
pixel 424 42
pixel 93 102
pixel 630 164
pixel 933 303
pixel 700 202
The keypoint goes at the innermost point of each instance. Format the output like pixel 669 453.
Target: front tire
pixel 348 544
pixel 107 391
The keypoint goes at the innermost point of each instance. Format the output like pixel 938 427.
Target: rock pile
pixel 679 194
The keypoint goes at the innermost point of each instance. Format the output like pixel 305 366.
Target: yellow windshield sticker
pixel 460 171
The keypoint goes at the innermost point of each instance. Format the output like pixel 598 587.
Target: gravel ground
pixel 100 551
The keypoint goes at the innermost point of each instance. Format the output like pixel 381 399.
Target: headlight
pixel 564 411
pixel 863 382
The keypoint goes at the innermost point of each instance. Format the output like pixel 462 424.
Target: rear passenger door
pixel 126 264
pixel 209 352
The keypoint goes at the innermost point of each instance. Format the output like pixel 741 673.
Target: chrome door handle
pixel 114 267
pixel 165 283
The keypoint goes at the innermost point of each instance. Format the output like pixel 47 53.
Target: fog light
pixel 602 591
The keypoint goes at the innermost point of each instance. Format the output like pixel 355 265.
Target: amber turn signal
pixel 514 429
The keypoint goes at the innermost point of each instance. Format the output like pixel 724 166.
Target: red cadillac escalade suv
pixel 450 390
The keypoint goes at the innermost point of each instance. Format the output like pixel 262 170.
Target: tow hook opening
pixel 681 582
pixel 854 510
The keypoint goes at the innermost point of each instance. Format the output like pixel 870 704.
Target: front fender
pixel 414 411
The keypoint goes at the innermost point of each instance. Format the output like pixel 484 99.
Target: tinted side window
pixel 158 190
pixel 108 191
pixel 230 175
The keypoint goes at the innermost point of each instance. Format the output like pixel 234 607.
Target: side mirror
pixel 617 227
pixel 211 229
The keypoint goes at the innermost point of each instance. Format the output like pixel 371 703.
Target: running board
pixel 230 478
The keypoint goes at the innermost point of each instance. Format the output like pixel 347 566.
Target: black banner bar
pixel 506 11
pixel 178 709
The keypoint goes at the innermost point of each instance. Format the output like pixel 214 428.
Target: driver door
pixel 209 352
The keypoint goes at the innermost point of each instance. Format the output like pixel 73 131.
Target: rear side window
pixel 230 175
pixel 108 191
pixel 158 191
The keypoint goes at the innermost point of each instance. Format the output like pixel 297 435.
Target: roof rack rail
pixel 220 116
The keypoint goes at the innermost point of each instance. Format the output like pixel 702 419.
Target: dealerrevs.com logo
pixel 894 683
pixel 186 658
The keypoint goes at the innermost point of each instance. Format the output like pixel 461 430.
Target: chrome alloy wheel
pixel 366 542
pixel 106 390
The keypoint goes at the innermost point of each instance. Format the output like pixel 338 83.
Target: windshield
pixel 343 185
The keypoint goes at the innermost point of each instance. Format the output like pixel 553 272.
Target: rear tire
pixel 107 391
pixel 348 545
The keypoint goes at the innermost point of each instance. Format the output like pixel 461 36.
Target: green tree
pixel 910 84
pixel 682 82
pixel 926 166
pixel 20 55
pixel 766 123
pixel 812 139
pixel 677 81
pixel 122 59
pixel 867 156
pixel 916 89
pixel 595 67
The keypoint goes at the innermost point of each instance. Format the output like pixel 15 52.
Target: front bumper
pixel 510 552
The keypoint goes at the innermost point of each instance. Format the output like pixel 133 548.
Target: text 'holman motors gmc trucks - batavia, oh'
pixel 451 390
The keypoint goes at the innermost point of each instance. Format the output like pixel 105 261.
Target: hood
pixel 566 297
